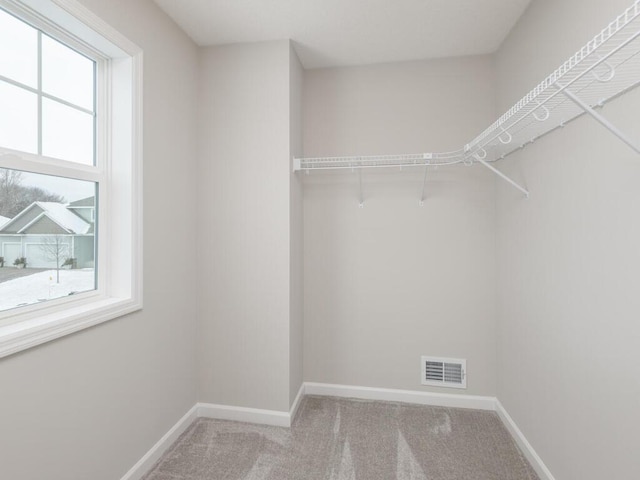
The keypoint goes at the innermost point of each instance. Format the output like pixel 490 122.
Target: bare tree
pixel 15 197
pixel 10 185
pixel 56 249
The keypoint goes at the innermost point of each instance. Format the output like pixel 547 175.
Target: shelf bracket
pixel 503 176
pixel 599 118
pixel 424 186
pixel 361 196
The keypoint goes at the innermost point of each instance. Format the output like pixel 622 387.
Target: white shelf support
pixel 361 195
pixel 503 176
pixel 424 186
pixel 602 120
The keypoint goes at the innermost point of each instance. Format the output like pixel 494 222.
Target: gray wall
pixel 90 405
pixel 568 258
pixel 392 281
pixel 296 276
pixel 244 229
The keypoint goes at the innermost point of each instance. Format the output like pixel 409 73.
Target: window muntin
pixel 64 92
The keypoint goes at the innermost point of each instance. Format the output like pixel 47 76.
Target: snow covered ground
pixel 42 286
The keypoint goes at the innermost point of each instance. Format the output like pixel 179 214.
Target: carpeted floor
pixel 339 439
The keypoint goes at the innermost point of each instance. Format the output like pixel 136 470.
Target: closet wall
pixel 249 226
pixel 389 282
pixel 568 259
pixel 296 231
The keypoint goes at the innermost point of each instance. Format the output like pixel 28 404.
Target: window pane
pixel 67 133
pixel 66 74
pixel 18 50
pixel 18 118
pixel 47 243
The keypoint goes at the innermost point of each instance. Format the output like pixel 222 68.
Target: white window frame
pixel 118 171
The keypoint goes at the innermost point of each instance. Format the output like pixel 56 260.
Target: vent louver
pixel 444 372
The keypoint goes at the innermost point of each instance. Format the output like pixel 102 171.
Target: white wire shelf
pixel 377 161
pixel 605 68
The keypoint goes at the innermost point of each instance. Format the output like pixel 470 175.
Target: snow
pixel 42 286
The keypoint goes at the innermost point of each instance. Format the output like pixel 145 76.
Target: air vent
pixel 444 372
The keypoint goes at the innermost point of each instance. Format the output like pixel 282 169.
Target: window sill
pixel 29 333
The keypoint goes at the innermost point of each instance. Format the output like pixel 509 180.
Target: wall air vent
pixel 444 372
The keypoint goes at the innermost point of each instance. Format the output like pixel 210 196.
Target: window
pixel 70 156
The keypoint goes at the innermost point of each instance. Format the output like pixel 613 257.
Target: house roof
pixel 83 202
pixel 63 217
pixel 58 213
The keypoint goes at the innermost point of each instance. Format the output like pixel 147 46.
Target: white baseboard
pixel 252 415
pixel 152 456
pixel 296 403
pixel 407 396
pixel 244 414
pixel 526 448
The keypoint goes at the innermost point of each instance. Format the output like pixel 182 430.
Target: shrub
pixel 70 262
pixel 20 261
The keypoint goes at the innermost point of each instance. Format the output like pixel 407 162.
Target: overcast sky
pixel 71 190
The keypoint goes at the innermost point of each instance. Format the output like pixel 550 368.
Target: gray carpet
pixel 339 439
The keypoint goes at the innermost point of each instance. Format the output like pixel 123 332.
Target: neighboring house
pixel 45 232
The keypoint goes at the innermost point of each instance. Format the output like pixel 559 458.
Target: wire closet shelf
pixel 604 69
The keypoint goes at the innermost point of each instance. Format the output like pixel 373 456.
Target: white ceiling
pixel 353 32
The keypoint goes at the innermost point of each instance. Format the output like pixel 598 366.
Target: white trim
pixel 252 415
pixel 296 403
pixel 244 414
pixel 145 464
pixel 406 396
pixel 524 445
pixel 19 336
pixel 95 28
pixel 43 165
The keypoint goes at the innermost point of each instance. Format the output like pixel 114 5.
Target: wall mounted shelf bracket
pixel 599 118
pixel 424 187
pixel 480 158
